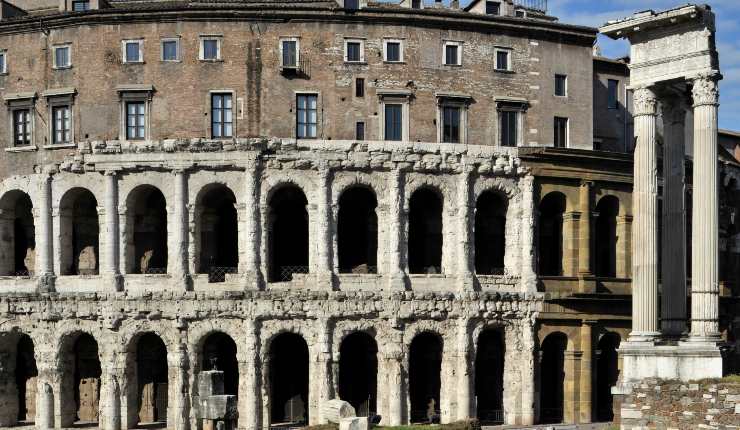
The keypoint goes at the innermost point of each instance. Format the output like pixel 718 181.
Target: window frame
pixel 232 94
pixel 21 102
pixel 461 103
pixel 459 50
pixel 27 128
pixel 360 89
pixel 609 105
pixel 509 62
pixel 306 124
pixel 124 56
pixel 202 47
pixel 135 93
pixel 176 40
pixel 85 2
pixel 297 42
pixel 400 51
pixel 566 135
pixel 4 64
pixel 54 49
pixel 517 106
pixel 361 43
pixel 358 125
pixel 66 130
pixel 565 85
pixel 55 99
pixel 401 97
pixel 498 9
pixel 344 5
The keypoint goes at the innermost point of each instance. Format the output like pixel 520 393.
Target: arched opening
pixel 80 391
pixel 425 366
pixel 607 374
pixel 288 234
pixel 358 231
pixel 288 380
pixel 425 232
pixel 78 210
pixel 17 235
pixel 552 208
pixel 490 234
pixel 152 380
pixel 358 373
pixel 147 222
pixel 219 353
pixel 552 378
pixel 219 233
pixel 489 377
pixel 606 237
pixel 26 375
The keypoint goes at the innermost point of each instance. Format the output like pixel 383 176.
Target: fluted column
pixel 179 237
pixel 464 400
pixel 112 237
pixel 323 226
pixel 465 241
pixel 397 219
pixel 585 270
pixel 673 269
pixel 251 238
pixel 645 225
pixel 705 216
pixel 44 239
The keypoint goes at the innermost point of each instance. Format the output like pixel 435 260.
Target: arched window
pixel 79 233
pixel 425 366
pixel 425 232
pixel 17 235
pixel 606 236
pixel 357 227
pixel 151 386
pixel 552 378
pixel 219 233
pixel 288 234
pixel 489 377
pixel 358 373
pixel 288 379
pixel 147 224
pixel 607 374
pixel 219 353
pixel 550 243
pixel 490 234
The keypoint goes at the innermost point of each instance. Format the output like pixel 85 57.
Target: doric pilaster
pixel 397 218
pixel 528 385
pixel 465 240
pixel 44 238
pixel 528 226
pixel 585 271
pixel 586 376
pixel 322 386
pixel 464 400
pixel 323 228
pixel 393 358
pixel 250 242
pixel 178 408
pixel 111 263
pixel 178 253
pixel 250 399
pixel 624 247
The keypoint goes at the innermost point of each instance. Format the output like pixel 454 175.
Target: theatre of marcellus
pixel 428 210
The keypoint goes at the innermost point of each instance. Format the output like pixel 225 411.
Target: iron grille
pixel 155 271
pixel 287 272
pixel 491 416
pixel 538 5
pixel 22 273
pixel 218 273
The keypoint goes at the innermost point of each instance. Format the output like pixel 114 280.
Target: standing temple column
pixel 705 216
pixel 396 218
pixel 44 242
pixel 673 269
pixel 323 226
pixel 178 243
pixel 111 263
pixel 645 226
pixel 586 376
pixel 465 269
pixel 251 237
pixel 584 240
pixel 464 401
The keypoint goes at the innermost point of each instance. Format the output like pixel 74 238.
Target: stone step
pixel 593 426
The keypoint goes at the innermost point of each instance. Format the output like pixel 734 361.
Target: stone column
pixel 645 228
pixel 44 406
pixel 397 218
pixel 250 241
pixel 673 269
pixel 323 227
pixel 465 242
pixel 178 409
pixel 393 358
pixel 111 263
pixel 705 215
pixel 528 226
pixel 585 271
pixel 572 371
pixel 530 363
pixel 250 398
pixel 586 377
pixel 44 238
pixel 464 401
pixel 321 374
pixel 178 255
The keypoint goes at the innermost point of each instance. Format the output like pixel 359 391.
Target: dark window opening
pixel 360 130
pixel 425 365
pixel 425 232
pixel 490 234
pixel 358 373
pixel 552 208
pixel 352 4
pixel 290 53
pixel 288 234
pixel 80 230
pixel 222 116
pixel 451 55
pixel 288 380
pixel 26 374
pixel 451 124
pixel 152 379
pixel 135 120
pixel 393 122
pixel 489 377
pixel 606 237
pixel 509 127
pixel 169 50
pixel 22 127
pixel 493 8
pixel 560 132
pixel 357 231
pixel 219 232
pixel 61 124
pixel 561 82
pixel 210 49
pixel 148 223
pixel 360 87
pixel 80 5
pixel 85 381
pixel 354 52
pixel 613 96
pixel 393 51
pixel 607 374
pixel 502 60
pixel 552 378
pixel 18 250
pixel 219 350
pixel 306 116
pixel 415 4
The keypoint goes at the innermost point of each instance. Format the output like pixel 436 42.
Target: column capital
pixel 645 101
pixel 705 91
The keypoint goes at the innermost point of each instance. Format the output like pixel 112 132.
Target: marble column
pixel 251 237
pixel 323 228
pixel 585 270
pixel 111 263
pixel 673 269
pixel 586 377
pixel 397 219
pixel 465 242
pixel 44 239
pixel 464 401
pixel 705 216
pixel 645 225
pixel 178 255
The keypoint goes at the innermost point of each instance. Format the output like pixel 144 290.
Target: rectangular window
pixel 520 13
pixel 80 5
pixel 132 51
pixel 561 132
pixel 352 4
pixel 452 54
pixel 307 116
pixel 2 63
pixel 415 4
pixel 613 94
pixel 210 49
pixel 170 50
pixel 393 51
pixel 61 57
pixel 360 130
pixel 360 87
pixel 290 53
pixel 509 120
pixel 353 51
pixel 493 8
pixel 135 120
pixel 22 127
pixel 561 85
pixel 393 122
pixel 222 116
pixel 502 59
pixel 450 124
pixel 61 124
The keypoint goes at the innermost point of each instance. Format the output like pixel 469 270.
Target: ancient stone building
pixel 398 205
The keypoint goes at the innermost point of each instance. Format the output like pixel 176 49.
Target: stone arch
pixel 358 372
pixel 491 208
pixel 424 370
pixel 288 378
pixel 287 230
pixel 216 231
pixel 357 230
pixel 425 230
pixel 79 393
pixel 490 354
pixel 79 233
pixel 148 371
pixel 551 247
pixel 18 387
pixel 552 377
pixel 220 346
pixel 146 227
pixel 605 240
pixel 17 234
pixel 607 375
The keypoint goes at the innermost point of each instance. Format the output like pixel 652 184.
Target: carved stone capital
pixel 645 101
pixel 705 91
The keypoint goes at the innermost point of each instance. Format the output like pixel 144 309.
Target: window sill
pixel 170 61
pixel 356 63
pixel 394 62
pixel 27 148
pixel 60 146
pixel 452 65
pixel 560 97
pixel 204 60
pixel 62 68
pixel 509 72
pixel 132 63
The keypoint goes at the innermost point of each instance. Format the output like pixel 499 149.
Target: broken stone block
pixel 354 423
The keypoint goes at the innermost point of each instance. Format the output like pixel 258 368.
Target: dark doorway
pixel 151 371
pixel 26 375
pixel 358 373
pixel 148 223
pixel 606 237
pixel 552 378
pixel 425 366
pixel 219 234
pixel 357 231
pixel 219 349
pixel 288 234
pixel 18 238
pixel 552 208
pixel 289 379
pixel 490 234
pixel 425 232
pixel 80 233
pixel 607 374
pixel 86 379
pixel 489 377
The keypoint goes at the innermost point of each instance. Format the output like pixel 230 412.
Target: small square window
pixel 61 124
pixel 360 130
pixel 352 4
pixel 452 54
pixel 80 5
pixel 62 58
pixel 3 63
pixel 503 60
pixel 561 85
pixel 170 50
pixel 360 87
pixel 289 53
pixel 493 8
pixel 613 102
pixel 520 13
pixel 132 51
pixel 353 51
pixel 210 49
pixel 392 49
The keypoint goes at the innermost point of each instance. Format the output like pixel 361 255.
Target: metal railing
pixel 491 416
pixel 218 273
pixel 286 272
pixel 538 5
pixel 24 273
pixel 154 271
